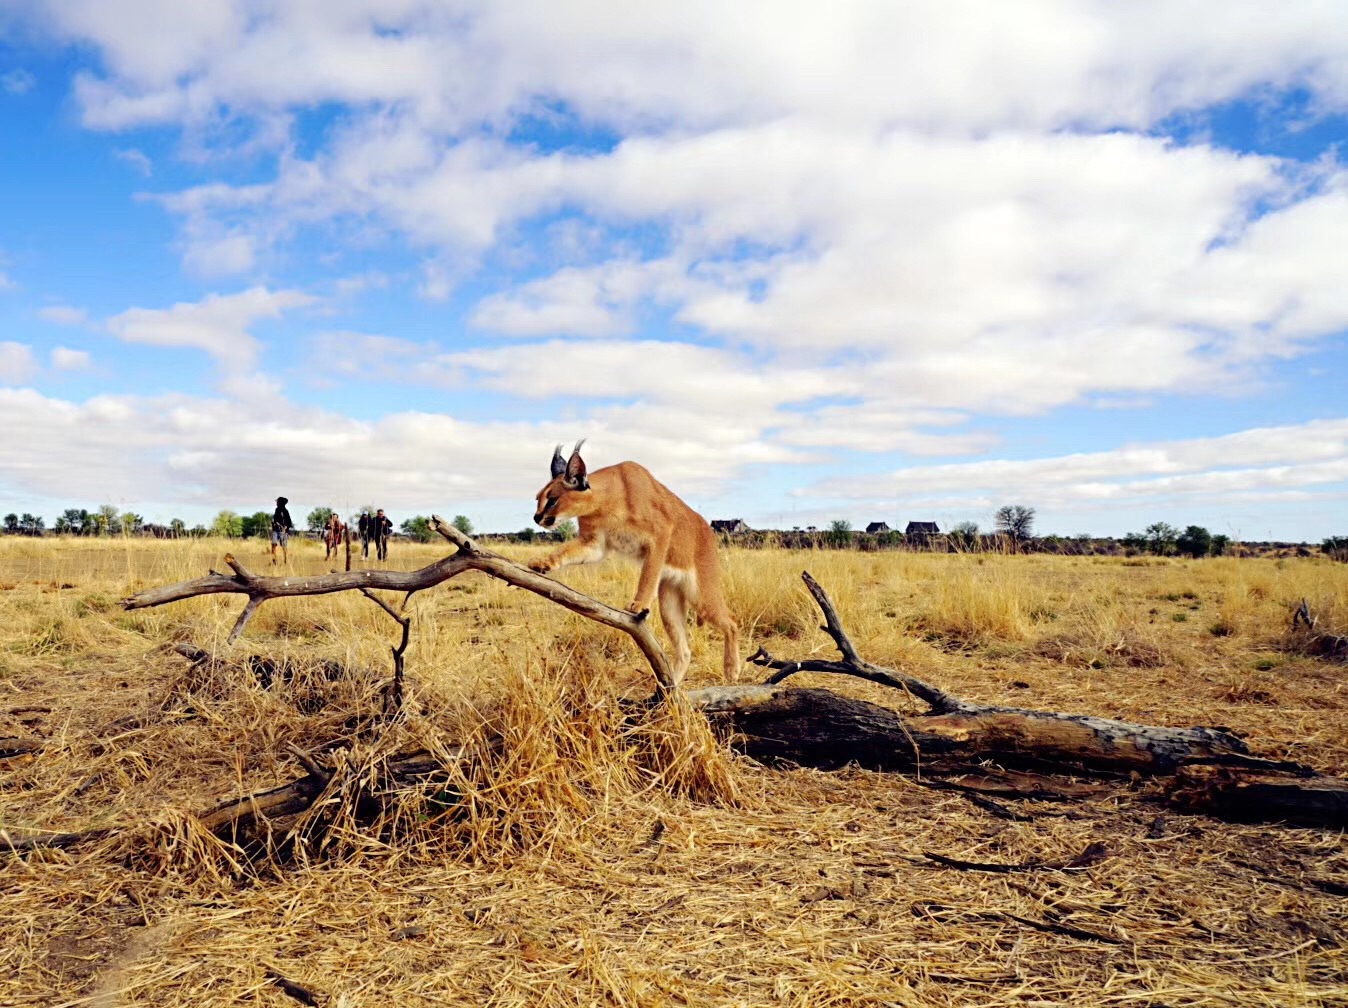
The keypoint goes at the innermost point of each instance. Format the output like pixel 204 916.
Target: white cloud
pixel 65 359
pixel 1291 457
pixel 219 324
pixel 170 449
pixel 5 282
pixel 958 64
pixel 17 364
pixel 64 315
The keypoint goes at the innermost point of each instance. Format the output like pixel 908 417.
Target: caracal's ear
pixel 574 478
pixel 558 463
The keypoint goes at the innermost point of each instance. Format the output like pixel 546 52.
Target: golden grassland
pixel 597 862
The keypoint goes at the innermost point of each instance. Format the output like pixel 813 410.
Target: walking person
pixel 363 527
pixel 332 534
pixel 281 527
pixel 381 526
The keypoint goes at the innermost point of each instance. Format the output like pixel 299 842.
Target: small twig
pixel 1064 929
pixel 300 993
pixel 308 762
pixel 996 808
pixel 1093 854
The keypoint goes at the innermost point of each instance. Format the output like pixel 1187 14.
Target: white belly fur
pixel 683 580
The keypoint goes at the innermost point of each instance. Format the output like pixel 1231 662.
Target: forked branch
pixel 468 556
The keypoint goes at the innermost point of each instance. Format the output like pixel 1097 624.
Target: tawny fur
pixel 627 511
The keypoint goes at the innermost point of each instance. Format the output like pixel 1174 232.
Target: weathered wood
pixel 19 745
pixel 1235 794
pixel 467 557
pixel 817 727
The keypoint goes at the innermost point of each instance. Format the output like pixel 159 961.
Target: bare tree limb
pixel 468 556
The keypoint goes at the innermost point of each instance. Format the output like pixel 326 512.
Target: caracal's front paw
pixel 540 566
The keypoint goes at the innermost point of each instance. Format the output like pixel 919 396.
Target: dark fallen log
pixel 1234 793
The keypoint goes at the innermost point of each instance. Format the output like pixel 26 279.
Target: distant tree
pixel 889 538
pixel 316 519
pixel 526 534
pixel 565 529
pixel 257 524
pixel 418 529
pixel 1134 542
pixel 131 522
pixel 31 524
pixel 463 524
pixel 199 532
pixel 1161 537
pixel 1016 521
pixel 12 524
pixel 964 535
pixel 1195 541
pixel 108 520
pixel 73 521
pixel 178 527
pixel 1220 544
pixel 227 523
pixel 840 533
pixel 1333 544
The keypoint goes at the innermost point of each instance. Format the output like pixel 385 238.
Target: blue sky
pixel 857 260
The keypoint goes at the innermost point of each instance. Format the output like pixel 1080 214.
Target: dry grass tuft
pixel 584 850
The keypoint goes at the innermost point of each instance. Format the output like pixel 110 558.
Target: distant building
pixel 730 526
pixel 921 529
pixel 875 527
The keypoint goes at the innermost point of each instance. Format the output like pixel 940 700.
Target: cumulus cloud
pixel 63 315
pixel 169 449
pixel 924 63
pixel 218 325
pixel 1267 459
pixel 17 364
pixel 65 359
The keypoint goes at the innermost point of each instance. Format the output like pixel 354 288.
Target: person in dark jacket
pixel 281 527
pixel 380 527
pixel 363 527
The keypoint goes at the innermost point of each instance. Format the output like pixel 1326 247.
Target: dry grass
pixel 597 861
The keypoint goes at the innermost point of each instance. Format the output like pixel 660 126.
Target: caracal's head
pixel 567 494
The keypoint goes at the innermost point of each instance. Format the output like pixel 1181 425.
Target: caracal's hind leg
pixel 674 616
pixel 714 611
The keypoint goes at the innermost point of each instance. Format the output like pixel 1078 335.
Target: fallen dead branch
pixel 467 557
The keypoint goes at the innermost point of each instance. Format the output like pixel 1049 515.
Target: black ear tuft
pixel 558 463
pixel 575 470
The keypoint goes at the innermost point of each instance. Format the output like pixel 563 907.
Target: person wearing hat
pixel 281 527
